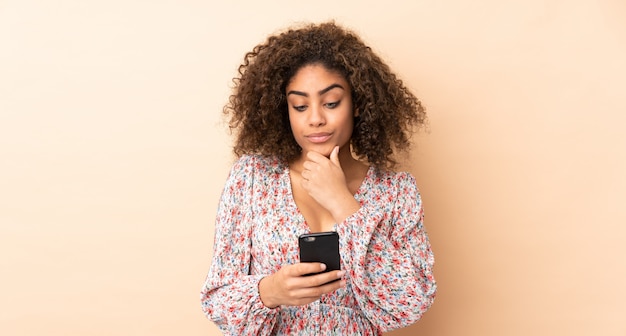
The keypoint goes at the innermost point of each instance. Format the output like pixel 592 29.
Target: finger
pixel 309 165
pixel 330 277
pixel 314 292
pixel 308 268
pixel 334 156
pixel 323 279
pixel 327 287
pixel 333 286
pixel 316 157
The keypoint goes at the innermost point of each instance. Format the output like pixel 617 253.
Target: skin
pixel 324 178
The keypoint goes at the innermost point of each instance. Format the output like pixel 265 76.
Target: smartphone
pixel 320 247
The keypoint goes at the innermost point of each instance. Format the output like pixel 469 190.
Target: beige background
pixel 113 156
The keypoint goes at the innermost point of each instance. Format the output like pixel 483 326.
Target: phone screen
pixel 321 247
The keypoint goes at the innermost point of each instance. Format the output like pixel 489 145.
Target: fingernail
pixel 340 274
pixel 323 266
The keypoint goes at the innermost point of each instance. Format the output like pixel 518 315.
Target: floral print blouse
pixel 383 246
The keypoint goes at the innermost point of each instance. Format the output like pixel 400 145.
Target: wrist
pixel 345 208
pixel 264 292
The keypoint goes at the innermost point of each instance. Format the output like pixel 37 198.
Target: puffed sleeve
pixel 387 254
pixel 230 296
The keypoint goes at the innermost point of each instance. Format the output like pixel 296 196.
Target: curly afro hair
pixel 258 111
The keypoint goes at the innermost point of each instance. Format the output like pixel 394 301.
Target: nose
pixel 316 116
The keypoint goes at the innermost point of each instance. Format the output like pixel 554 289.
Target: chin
pixel 325 150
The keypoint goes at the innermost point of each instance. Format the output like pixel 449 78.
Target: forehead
pixel 315 77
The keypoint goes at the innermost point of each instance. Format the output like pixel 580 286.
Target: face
pixel 320 110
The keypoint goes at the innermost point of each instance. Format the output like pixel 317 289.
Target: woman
pixel 318 117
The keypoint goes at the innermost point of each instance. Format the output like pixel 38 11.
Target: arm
pixel 230 296
pixel 390 266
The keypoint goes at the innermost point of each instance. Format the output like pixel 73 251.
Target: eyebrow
pixel 320 92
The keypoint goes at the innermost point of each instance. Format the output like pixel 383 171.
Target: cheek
pixel 296 128
pixel 348 123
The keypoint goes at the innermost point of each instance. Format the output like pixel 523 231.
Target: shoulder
pixel 249 164
pixel 393 185
pixel 395 189
pixel 249 171
pixel 393 179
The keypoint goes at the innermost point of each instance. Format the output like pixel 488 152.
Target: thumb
pixel 334 156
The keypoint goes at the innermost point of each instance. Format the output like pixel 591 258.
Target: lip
pixel 318 137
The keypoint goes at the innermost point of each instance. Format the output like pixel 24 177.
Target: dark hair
pixel 258 112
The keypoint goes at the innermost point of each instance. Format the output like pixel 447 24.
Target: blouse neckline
pixel 291 202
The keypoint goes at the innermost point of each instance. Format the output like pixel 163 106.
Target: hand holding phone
pixel 320 247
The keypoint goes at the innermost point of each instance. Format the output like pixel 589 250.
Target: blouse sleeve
pixel 390 266
pixel 230 296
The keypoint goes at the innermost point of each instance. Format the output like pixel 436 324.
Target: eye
pixel 332 105
pixel 300 108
